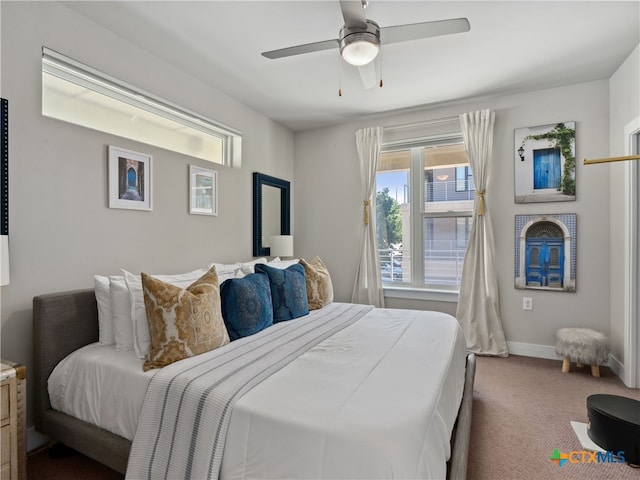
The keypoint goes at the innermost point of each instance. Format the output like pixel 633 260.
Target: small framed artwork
pixel 545 163
pixel 203 191
pixel 129 179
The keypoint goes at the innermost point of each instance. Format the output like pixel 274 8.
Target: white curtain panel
pixel 368 285
pixel 478 304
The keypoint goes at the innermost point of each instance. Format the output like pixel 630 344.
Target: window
pixel 464 179
pixel 424 204
pixel 79 94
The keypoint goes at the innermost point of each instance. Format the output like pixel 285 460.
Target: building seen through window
pixel 424 203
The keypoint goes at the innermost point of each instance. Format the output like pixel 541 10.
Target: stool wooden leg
pixel 595 370
pixel 566 365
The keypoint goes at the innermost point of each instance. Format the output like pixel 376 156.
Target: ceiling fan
pixel 360 39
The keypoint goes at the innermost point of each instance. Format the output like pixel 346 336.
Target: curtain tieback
pixel 480 199
pixel 366 212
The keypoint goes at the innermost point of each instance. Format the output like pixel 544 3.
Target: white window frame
pixel 417 289
pixel 70 70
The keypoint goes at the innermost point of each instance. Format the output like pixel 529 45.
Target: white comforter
pixel 101 386
pixel 376 400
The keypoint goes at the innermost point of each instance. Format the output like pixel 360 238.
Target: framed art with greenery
pixel 545 163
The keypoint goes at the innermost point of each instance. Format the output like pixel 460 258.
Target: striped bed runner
pixel 187 408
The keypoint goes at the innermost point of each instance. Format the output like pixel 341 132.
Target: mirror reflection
pixel 271 207
pixel 271 211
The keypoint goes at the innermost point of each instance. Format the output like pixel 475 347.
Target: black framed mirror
pixel 271 211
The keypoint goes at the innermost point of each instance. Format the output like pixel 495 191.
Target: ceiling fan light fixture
pixel 359 52
pixel 360 47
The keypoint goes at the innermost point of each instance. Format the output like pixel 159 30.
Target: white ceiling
pixel 513 46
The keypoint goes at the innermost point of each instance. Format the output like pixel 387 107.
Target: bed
pixel 66 322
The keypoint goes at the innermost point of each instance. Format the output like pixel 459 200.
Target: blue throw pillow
pixel 288 291
pixel 246 305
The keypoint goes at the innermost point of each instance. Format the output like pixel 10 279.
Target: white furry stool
pixel 583 346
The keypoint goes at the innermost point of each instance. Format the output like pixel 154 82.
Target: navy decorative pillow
pixel 288 291
pixel 246 305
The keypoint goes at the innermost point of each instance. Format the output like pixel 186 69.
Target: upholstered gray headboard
pixel 62 323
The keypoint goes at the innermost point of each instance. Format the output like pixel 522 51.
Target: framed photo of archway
pixel 129 179
pixel 545 163
pixel 545 252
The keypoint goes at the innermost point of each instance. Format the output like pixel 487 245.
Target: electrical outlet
pixel 527 303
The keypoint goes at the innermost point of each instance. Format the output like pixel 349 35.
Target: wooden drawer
pixel 4 404
pixel 8 422
pixel 5 444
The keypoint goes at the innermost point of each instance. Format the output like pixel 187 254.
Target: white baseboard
pixel 533 350
pixel 549 352
pixel 617 366
pixel 35 439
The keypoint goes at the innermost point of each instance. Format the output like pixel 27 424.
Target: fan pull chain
pixel 380 67
pixel 339 75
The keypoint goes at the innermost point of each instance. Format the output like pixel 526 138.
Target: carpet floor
pixel 522 411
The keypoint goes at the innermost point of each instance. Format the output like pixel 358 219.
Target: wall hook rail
pixel 610 159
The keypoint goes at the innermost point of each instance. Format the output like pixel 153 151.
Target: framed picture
pixel 545 252
pixel 545 163
pixel 203 191
pixel 129 179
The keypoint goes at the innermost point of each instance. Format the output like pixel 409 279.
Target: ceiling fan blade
pixel 368 75
pixel 300 49
pixel 353 13
pixel 416 31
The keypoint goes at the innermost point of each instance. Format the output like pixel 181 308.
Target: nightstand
pixel 13 456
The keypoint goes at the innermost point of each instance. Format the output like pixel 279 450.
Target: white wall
pixel 329 205
pixel 624 101
pixel 61 230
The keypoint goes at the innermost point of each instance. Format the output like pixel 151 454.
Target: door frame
pixel 632 259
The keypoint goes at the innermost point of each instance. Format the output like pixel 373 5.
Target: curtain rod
pixel 610 159
pixel 422 124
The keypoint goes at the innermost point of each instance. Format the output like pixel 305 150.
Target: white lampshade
pixel 281 246
pixel 4 260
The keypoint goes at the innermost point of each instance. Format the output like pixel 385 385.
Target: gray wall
pixel 61 230
pixel 329 206
pixel 624 93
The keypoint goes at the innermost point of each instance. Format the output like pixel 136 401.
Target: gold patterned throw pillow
pixel 182 322
pixel 319 286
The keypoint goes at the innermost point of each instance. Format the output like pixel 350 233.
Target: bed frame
pixel 63 322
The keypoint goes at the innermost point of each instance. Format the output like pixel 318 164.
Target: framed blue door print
pixel 545 163
pixel 545 252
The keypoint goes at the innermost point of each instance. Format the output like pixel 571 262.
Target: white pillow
pixel 226 271
pixel 282 264
pixel 121 313
pixel 105 319
pixel 247 267
pixel 138 313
